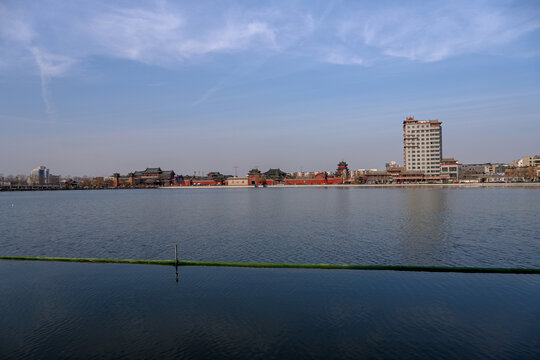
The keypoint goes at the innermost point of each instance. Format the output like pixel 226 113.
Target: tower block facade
pixel 422 145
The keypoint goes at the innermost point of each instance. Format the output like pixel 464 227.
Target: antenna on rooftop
pixel 235 171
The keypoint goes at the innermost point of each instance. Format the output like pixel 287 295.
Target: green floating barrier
pixel 285 265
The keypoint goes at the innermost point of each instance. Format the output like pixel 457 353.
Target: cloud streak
pixel 340 58
pixel 436 33
pixel 50 66
pixel 170 35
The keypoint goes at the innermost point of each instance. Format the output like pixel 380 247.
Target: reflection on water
pixel 425 229
pixel 444 226
pixel 75 310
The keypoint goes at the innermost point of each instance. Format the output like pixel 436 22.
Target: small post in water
pixel 176 262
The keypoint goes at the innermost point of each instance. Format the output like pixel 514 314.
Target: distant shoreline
pixel 460 185
pixel 535 185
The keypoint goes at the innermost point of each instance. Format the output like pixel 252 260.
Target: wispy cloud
pixel 165 36
pixel 13 27
pixel 135 34
pixel 340 58
pixel 50 66
pixel 208 93
pixel 18 36
pixel 432 33
pixel 171 34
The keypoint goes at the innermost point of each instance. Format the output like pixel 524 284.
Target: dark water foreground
pixel 75 310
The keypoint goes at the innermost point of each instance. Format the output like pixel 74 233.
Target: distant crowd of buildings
pixel 422 153
pixel 41 179
pixel 423 162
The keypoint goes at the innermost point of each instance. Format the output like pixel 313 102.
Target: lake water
pixel 70 310
pixel 76 310
pixel 495 227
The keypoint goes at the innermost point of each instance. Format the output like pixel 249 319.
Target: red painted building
pixel 319 179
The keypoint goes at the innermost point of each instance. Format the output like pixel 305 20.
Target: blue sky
pixel 95 87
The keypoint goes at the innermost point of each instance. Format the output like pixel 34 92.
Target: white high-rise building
pixel 39 176
pixel 422 145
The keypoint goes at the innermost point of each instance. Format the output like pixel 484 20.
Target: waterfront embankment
pixel 280 186
pixel 336 186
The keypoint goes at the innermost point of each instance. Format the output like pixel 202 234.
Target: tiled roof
pixel 274 172
pixel 152 170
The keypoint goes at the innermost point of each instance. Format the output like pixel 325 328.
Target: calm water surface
pixel 70 310
pixel 420 226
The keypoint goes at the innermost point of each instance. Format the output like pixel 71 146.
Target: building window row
pixel 430 131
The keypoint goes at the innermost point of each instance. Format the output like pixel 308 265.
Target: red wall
pixel 312 181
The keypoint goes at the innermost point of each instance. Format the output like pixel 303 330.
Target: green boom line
pixel 285 265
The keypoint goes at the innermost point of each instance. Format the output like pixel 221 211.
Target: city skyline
pixel 96 88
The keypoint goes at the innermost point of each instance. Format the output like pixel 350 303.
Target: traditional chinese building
pixel 153 177
pixel 148 177
pixel 342 168
pixel 275 174
pixel 342 171
pixel 255 177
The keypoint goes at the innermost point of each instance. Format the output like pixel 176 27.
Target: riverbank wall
pixel 458 185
